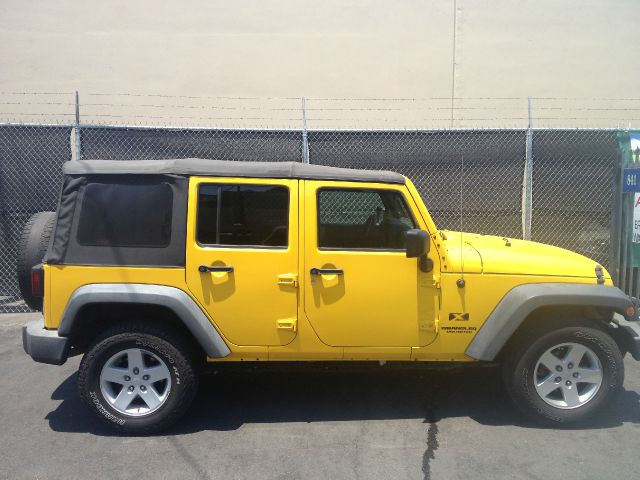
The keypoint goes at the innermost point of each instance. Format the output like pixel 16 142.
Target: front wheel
pixel 138 379
pixel 566 375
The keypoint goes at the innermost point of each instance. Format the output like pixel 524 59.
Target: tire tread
pixel 517 369
pixel 125 331
pixel 32 246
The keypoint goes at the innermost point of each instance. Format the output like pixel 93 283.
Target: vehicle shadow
pixel 229 398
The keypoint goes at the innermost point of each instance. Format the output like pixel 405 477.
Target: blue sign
pixel 631 180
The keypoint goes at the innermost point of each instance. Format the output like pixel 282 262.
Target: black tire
pixel 31 250
pixel 520 364
pixel 169 346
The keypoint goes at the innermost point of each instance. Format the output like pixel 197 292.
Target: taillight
pixel 37 281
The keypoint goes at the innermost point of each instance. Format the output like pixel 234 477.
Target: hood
pixel 492 254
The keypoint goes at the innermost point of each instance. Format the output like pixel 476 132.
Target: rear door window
pixel 243 215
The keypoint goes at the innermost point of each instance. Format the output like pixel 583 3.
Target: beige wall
pixel 505 51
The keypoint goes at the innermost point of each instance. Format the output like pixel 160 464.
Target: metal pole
pixel 623 254
pixel 305 139
pixel 527 184
pixel 615 247
pixel 629 287
pixel 77 128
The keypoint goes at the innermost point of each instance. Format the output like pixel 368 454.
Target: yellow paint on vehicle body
pixel 63 280
pixel 382 308
pixel 247 304
pixel 509 256
pixel 478 298
pixel 381 300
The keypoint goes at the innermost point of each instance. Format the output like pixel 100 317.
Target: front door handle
pixel 327 271
pixel 206 268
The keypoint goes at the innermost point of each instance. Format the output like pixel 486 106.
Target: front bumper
pixel 628 333
pixel 43 345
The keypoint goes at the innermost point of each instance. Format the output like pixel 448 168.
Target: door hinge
pixel 428 281
pixel 287 324
pixel 429 327
pixel 288 279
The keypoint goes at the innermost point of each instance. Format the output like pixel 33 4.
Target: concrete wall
pixel 489 55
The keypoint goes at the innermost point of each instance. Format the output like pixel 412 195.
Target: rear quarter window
pixel 126 215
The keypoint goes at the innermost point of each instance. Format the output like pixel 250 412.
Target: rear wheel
pixel 138 379
pixel 566 375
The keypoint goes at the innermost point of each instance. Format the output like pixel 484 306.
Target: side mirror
pixel 418 243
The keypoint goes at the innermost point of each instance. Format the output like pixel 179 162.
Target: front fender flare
pixel 522 300
pixel 178 301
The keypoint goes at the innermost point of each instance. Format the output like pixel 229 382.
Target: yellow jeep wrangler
pixel 154 267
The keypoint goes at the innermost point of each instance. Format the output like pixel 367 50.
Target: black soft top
pixel 228 168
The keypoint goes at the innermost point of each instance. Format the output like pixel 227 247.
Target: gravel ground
pixel 309 423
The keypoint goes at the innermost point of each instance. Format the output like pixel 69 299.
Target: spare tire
pixel 31 250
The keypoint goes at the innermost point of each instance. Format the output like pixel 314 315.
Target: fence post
pixel 77 128
pixel 527 184
pixel 305 139
pixel 617 236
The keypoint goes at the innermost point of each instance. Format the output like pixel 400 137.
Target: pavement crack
pixel 198 470
pixel 432 438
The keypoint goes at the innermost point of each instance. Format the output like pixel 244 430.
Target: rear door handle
pixel 206 268
pixel 288 279
pixel 327 271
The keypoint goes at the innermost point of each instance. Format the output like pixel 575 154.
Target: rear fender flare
pixel 178 301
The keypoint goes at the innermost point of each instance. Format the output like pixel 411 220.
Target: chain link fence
pixel 31 159
pixel 475 180
pixel 574 190
pixel 122 143
pixel 478 172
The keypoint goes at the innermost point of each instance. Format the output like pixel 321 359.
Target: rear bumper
pixel 43 345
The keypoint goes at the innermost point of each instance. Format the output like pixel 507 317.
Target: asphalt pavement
pixel 309 423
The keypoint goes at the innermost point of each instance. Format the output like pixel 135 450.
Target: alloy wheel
pixel 135 382
pixel 568 375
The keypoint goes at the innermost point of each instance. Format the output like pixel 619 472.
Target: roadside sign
pixel 631 180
